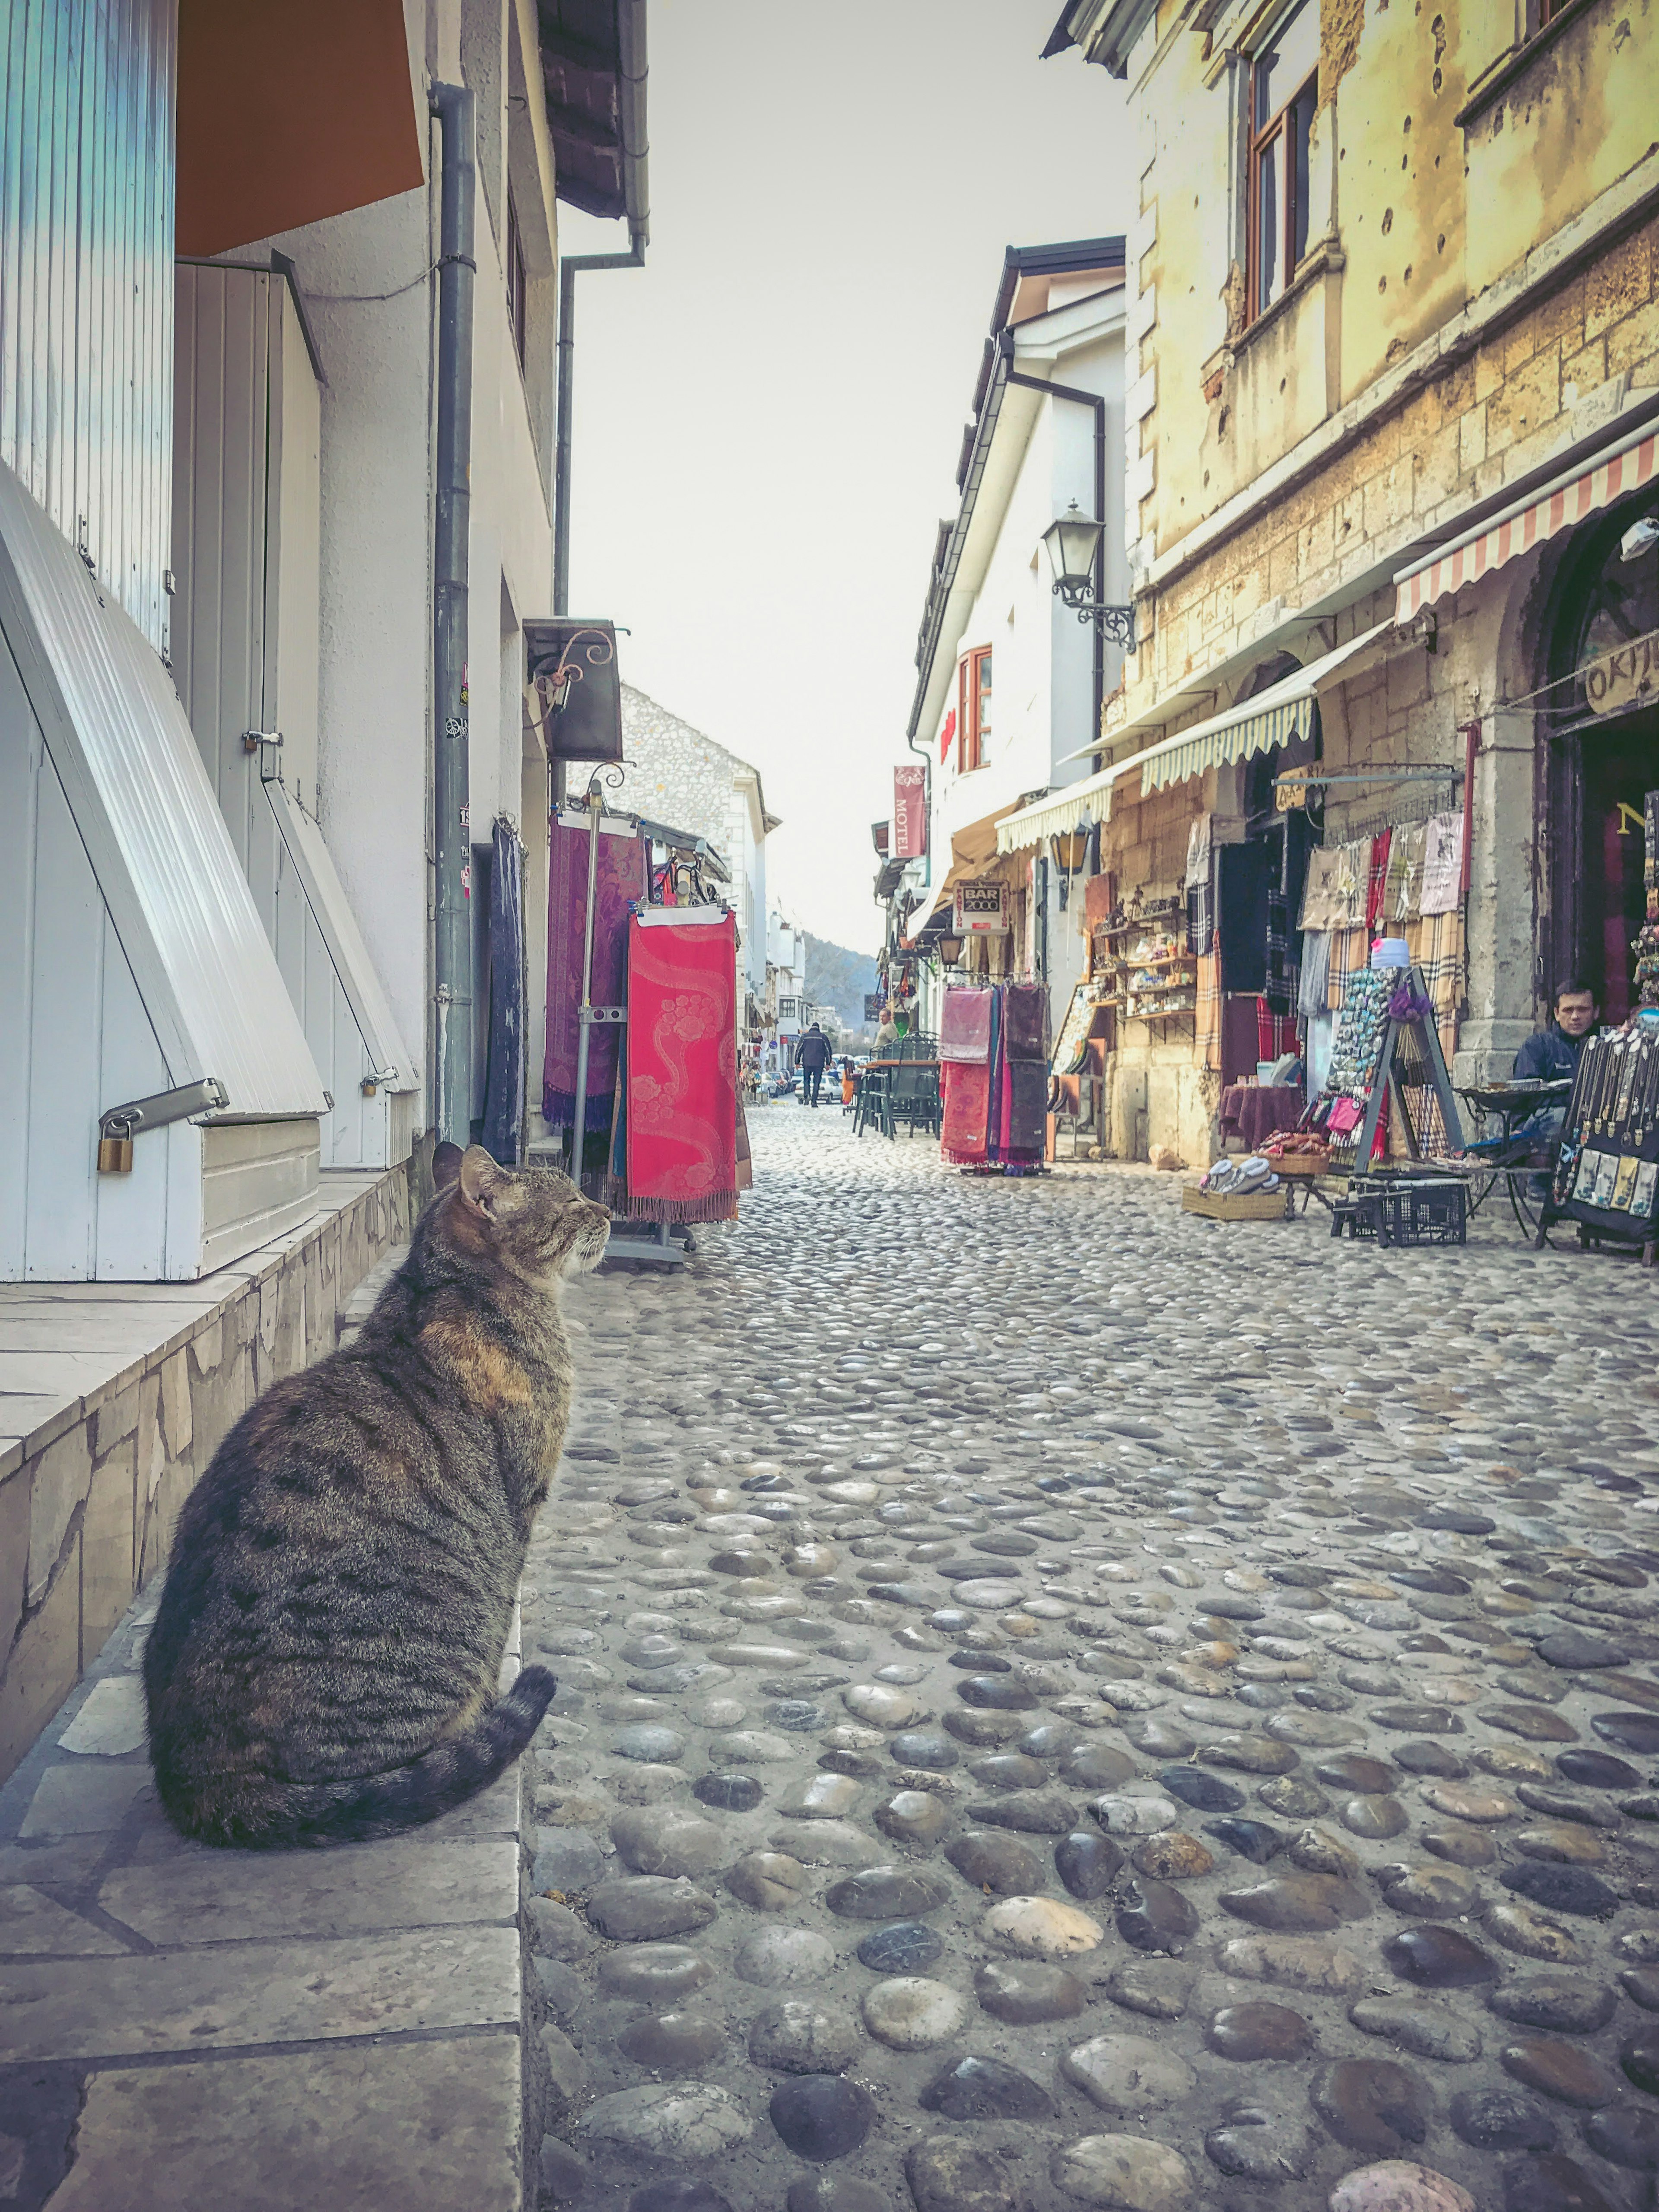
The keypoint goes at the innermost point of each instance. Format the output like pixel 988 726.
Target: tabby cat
pixel 325 1663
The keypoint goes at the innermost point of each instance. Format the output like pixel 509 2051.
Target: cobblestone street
pixel 1065 1704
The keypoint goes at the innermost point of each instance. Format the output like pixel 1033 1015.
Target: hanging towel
pixel 1376 878
pixel 1198 840
pixel 1405 901
pixel 682 1070
pixel 1024 1007
pixel 965 1025
pixel 621 877
pixel 1322 900
pixel 967 1086
pixel 1315 972
pixel 1207 1018
pixel 1443 864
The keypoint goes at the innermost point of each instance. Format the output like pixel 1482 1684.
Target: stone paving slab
pixel 196 2028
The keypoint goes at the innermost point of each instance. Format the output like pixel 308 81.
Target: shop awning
pixel 1593 482
pixel 972 848
pixel 1060 813
pixel 1277 716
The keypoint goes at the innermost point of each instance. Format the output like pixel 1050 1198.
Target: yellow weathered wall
pixel 1420 215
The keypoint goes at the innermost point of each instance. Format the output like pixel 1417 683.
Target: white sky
pixel 768 415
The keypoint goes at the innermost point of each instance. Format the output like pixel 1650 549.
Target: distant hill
pixel 838 978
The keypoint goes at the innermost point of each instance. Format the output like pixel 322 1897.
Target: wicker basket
pixel 1240 1206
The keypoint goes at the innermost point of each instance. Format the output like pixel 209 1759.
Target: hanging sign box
pixel 572 691
pixel 981 910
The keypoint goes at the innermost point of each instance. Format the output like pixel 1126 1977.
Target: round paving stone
pixel 1561 1888
pixel 669 2120
pixel 1126 2171
pixel 1153 1917
pixel 1257 2142
pixel 1596 1770
pixel 1258 2030
pixel 771 1881
pixel 1560 2070
pixel 1294 1797
pixel 922 1747
pixel 1551 2183
pixel 1566 2002
pixel 1372 2104
pixel 1502 2119
pixel 903 1948
pixel 986 2089
pixel 1438 1958
pixel 1637 1732
pixel 996 1693
pixel 1251 1839
pixel 947 2174
pixel 644 1908
pixel 1087 1863
pixel 1206 1792
pixel 1173 1857
pixel 1430 1892
pixel 912 2013
pixel 656 1973
pixel 998 1864
pixel 727 1793
pixel 1639 2058
pixel 1363 1777
pixel 913 1817
pixel 1428 1759
pixel 800 2037
pixel 655 1744
pixel 1374 1818
pixel 1129 2073
pixel 1298 1904
pixel 1097 1766
pixel 886 1893
pixel 1426 2031
pixel 776 1958
pixel 1628 2134
pixel 822 2116
pixel 1024 1992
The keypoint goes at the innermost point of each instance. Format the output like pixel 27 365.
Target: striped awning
pixel 1277 716
pixel 1558 506
pixel 1059 813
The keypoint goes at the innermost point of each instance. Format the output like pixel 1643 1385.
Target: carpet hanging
pixel 681 1068
pixel 620 878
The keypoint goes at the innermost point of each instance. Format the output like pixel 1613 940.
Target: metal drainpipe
pixel 452 950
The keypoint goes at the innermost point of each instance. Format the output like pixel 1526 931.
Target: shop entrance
pixel 1604 759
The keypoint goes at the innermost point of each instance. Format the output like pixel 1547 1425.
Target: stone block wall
pixel 87 1516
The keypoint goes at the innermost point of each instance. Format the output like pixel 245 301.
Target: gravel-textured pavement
pixel 1063 1704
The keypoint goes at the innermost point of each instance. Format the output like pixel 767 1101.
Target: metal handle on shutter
pixel 119 1126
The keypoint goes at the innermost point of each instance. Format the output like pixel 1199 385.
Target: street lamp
pixel 1074 544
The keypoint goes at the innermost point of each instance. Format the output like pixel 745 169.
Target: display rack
pixel 1607 1174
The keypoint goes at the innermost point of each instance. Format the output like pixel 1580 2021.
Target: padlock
pixel 115 1156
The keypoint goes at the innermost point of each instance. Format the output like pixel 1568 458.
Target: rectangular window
pixel 1284 92
pixel 974 710
pixel 516 283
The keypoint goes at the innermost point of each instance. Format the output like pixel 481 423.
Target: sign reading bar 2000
pixel 981 910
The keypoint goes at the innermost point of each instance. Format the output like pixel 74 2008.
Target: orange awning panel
pixel 289 110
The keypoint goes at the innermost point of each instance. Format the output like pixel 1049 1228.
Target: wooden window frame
pixel 1258 142
pixel 518 283
pixel 970 738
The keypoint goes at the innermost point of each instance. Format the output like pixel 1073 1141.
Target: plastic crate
pixel 1404 1209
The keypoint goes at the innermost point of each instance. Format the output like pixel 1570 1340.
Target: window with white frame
pixel 1284 92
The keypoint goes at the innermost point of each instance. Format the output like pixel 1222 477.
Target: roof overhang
pixel 289 112
pixel 1104 31
pixel 593 72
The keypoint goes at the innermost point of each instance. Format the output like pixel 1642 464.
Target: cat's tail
pixel 295 1814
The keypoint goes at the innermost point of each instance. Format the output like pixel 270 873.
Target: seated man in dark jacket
pixel 1553 1053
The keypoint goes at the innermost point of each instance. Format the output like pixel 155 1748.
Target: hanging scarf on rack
pixel 1377 879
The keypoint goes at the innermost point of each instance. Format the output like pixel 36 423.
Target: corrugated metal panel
pixel 179 902
pixel 76 1038
pixel 86 279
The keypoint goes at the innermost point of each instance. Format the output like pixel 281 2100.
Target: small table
pixel 1507 1157
pixel 1252 1112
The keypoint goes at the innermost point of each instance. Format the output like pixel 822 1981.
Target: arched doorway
pixel 1603 729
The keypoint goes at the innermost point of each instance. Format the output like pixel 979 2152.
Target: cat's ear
pixel 482 1180
pixel 445 1165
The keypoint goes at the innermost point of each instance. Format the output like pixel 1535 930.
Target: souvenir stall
pixel 993 1069
pixel 639 1080
pixel 1607 1171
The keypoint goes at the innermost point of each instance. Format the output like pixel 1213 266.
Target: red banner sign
pixel 909 813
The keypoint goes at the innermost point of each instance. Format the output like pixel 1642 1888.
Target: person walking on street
pixel 812 1056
